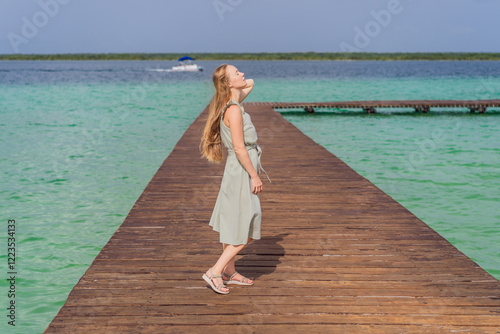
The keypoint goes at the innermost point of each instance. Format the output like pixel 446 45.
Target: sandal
pixel 244 280
pixel 212 285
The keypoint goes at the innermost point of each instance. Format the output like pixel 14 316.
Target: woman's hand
pixel 246 90
pixel 256 184
pixel 250 83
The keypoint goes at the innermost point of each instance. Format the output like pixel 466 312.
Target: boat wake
pixel 159 70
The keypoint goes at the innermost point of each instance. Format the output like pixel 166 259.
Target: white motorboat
pixel 185 65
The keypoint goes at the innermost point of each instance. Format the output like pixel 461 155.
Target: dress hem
pixel 234 244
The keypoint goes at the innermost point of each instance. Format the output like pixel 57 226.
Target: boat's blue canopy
pixel 185 58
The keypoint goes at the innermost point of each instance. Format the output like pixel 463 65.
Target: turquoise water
pixel 75 159
pixel 78 153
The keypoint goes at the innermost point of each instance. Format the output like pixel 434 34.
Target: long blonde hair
pixel 211 142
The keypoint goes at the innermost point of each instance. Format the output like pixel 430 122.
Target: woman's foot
pixel 236 278
pixel 215 281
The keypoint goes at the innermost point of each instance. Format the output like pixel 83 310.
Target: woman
pixel 237 212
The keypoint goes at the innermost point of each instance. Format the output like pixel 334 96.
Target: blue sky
pixel 95 26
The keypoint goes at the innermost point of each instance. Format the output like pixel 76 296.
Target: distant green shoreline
pixel 259 56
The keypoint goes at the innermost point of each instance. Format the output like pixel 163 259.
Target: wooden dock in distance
pixel 423 106
pixel 337 255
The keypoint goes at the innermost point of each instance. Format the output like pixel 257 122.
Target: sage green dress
pixel 237 214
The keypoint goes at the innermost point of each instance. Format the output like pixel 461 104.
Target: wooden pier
pixel 337 255
pixel 423 106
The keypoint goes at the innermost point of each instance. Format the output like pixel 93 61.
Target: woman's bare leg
pixel 227 257
pixel 230 267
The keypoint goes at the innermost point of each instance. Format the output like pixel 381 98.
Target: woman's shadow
pixel 261 257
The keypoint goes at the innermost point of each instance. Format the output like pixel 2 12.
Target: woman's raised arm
pixel 246 90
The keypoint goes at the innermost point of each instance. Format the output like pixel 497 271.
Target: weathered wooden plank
pixel 433 290
pixel 277 328
pixel 419 302
pixel 276 318
pixel 411 288
pixel 195 309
